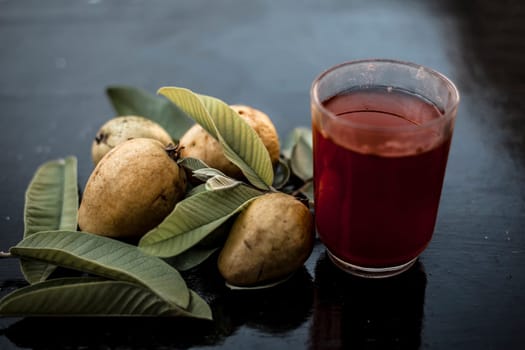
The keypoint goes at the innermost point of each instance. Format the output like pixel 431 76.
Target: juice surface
pixel 376 210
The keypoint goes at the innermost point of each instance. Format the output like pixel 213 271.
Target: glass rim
pixel 446 115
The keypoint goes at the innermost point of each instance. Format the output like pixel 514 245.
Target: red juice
pixel 378 178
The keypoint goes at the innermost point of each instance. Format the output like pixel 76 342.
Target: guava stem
pixel 4 255
pixel 173 151
pixel 303 186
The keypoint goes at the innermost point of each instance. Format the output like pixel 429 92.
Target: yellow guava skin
pixel 268 241
pixel 124 128
pixel 131 190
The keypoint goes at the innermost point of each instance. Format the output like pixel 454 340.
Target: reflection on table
pixel 355 312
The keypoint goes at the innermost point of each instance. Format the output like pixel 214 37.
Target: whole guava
pixel 268 241
pixel 124 128
pixel 132 189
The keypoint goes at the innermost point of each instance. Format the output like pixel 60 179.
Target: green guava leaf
pixel 308 191
pixel 292 138
pixel 192 163
pixel 240 143
pixel 93 296
pixel 194 190
pixel 282 173
pixel 219 182
pixel 105 257
pixel 214 179
pixel 192 257
pixel 194 218
pixel 204 174
pixel 301 161
pixel 51 203
pixel 198 307
pixel 127 100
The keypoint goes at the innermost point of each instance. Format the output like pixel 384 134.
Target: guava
pixel 268 241
pixel 123 128
pixel 132 189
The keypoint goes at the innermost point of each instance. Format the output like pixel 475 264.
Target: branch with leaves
pixel 117 278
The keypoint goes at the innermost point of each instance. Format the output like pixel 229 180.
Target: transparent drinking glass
pixel 382 130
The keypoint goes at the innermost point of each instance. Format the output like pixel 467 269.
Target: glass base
pixel 371 272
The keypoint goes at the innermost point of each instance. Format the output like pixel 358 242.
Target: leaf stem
pixel 273 189
pixel 302 187
pixel 4 255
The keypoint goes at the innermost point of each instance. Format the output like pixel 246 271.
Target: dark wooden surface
pixel 467 291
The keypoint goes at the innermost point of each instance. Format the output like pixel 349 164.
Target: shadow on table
pixel 273 311
pixel 352 312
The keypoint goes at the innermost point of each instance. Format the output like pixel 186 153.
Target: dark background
pixel 467 291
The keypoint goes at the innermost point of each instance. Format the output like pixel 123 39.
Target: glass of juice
pixel 381 132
